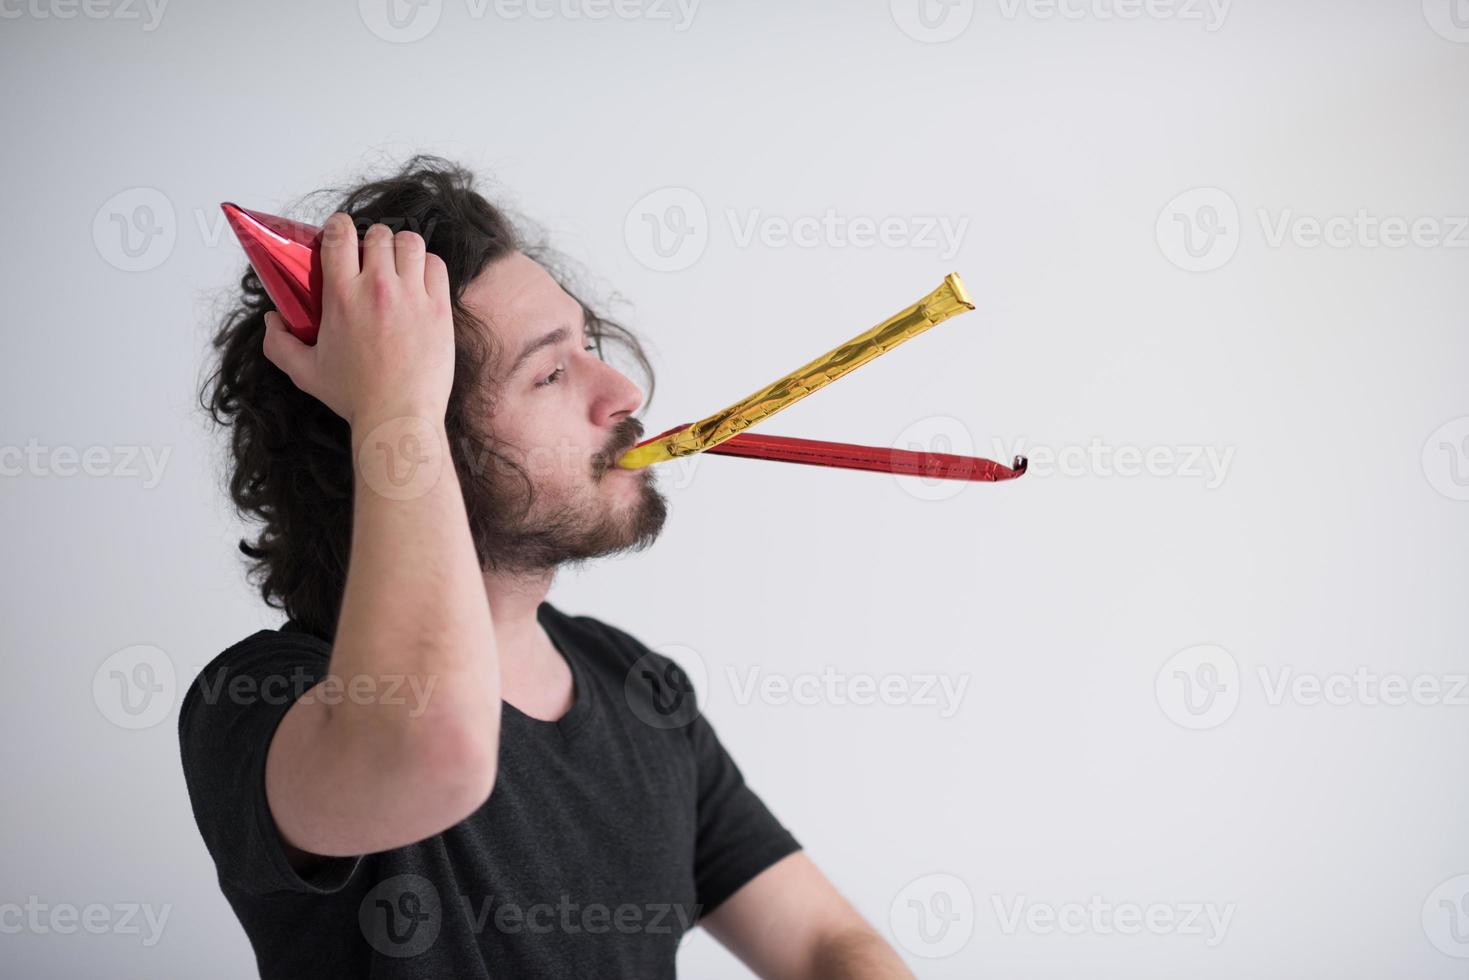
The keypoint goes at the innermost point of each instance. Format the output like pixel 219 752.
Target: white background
pixel 1335 538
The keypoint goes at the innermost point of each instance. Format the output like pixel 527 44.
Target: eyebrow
pixel 551 339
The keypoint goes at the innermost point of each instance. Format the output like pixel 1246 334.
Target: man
pixel 429 770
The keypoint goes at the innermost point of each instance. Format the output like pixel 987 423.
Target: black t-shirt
pixel 608 832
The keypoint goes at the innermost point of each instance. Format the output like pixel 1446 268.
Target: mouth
pixel 606 462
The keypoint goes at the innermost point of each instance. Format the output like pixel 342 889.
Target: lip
pixel 612 467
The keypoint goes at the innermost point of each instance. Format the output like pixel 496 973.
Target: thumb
pixel 285 350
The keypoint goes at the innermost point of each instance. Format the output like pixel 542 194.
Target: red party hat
pixel 286 255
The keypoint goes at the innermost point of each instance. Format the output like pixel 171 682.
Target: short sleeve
pixel 226 724
pixel 738 836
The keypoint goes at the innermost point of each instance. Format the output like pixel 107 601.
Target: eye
pixel 555 375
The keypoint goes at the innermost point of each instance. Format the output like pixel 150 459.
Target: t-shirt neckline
pixel 581 699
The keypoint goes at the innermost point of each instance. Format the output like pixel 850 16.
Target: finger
pixel 285 350
pixel 339 249
pixel 436 277
pixel 377 252
pixel 408 252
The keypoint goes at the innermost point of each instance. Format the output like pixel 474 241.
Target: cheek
pixel 563 464
pixel 554 439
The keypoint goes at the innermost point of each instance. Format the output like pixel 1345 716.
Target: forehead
pixel 519 299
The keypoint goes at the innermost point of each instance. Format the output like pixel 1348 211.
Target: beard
pixel 518 530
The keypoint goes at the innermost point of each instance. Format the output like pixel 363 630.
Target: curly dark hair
pixel 290 457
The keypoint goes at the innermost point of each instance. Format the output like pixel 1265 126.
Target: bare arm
pixel 790 922
pixel 411 749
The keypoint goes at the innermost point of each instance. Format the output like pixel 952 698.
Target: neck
pixel 514 599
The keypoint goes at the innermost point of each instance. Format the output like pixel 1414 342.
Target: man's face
pixel 564 416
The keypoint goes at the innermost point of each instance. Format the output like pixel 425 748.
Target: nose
pixel 617 396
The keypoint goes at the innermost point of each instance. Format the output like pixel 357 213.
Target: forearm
pixel 414 605
pixel 789 921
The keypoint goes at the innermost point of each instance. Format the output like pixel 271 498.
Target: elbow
pixel 457 766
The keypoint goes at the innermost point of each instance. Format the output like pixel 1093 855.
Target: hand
pixel 386 343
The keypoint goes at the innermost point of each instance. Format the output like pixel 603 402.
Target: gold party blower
pixel 724 432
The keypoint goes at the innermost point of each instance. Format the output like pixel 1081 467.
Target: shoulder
pixel 285 645
pixel 269 664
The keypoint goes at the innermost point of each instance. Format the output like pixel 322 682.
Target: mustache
pixel 627 435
